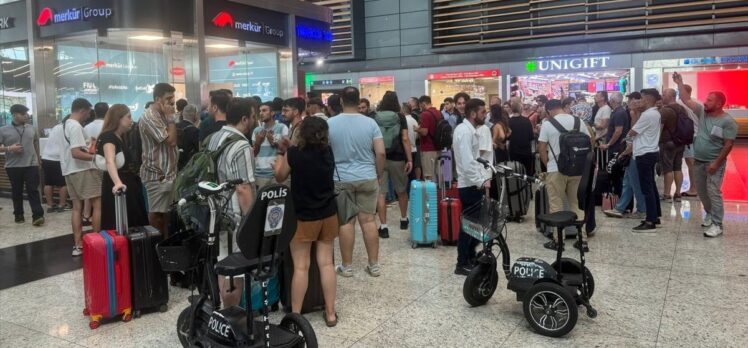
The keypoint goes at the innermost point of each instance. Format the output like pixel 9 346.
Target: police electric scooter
pixel 550 293
pixel 262 236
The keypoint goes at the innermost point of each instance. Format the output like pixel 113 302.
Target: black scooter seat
pixel 236 264
pixel 558 219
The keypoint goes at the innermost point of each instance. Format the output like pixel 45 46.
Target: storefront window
pixel 15 81
pixel 373 88
pixel 482 84
pixel 586 84
pixel 120 68
pixel 250 70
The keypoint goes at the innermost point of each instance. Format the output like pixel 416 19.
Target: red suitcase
pixel 106 277
pixel 449 211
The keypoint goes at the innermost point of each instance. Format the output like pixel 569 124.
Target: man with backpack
pixel 569 142
pixel 399 161
pixel 677 133
pixel 235 161
pixel 429 118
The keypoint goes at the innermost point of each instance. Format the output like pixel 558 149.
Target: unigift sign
pixel 565 64
pixel 236 21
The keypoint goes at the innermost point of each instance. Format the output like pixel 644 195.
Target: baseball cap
pixel 18 109
pixel 634 95
pixel 651 92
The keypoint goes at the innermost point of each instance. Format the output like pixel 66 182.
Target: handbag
pixel 346 205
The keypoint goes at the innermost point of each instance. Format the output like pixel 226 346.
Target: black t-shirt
pixel 312 185
pixel 119 147
pixel 619 118
pixel 399 155
pixel 520 140
pixel 187 141
pixel 209 126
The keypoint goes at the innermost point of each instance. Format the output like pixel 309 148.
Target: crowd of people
pixel 353 146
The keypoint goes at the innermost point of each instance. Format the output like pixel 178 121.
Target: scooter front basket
pixel 484 220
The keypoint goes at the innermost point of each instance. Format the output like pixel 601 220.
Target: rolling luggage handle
pixel 120 212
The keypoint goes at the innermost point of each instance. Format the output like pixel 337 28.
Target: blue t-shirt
pixel 351 138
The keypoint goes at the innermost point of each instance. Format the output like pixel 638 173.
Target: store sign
pixel 464 74
pixel 13 22
pixel 7 22
pixel 49 16
pixel 347 82
pixel 376 79
pixel 713 60
pixel 57 18
pixel 581 63
pixel 236 21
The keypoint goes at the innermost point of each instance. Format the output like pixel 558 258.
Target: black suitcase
pixel 149 285
pixel 541 207
pixel 314 300
pixel 517 193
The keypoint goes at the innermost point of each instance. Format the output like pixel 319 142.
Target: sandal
pixel 686 194
pixel 86 220
pixel 330 323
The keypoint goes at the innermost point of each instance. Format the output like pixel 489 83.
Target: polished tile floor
pixel 669 288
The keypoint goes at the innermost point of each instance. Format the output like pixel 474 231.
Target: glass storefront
pixel 572 84
pixel 120 68
pixel 704 75
pixel 249 70
pixel 482 84
pixel 15 83
pixel 373 88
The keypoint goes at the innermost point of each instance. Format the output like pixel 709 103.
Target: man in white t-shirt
pixel 646 134
pixel 93 129
pixel 560 187
pixel 603 114
pixel 83 181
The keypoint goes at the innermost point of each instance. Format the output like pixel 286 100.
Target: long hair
pixel 499 115
pixel 389 102
pixel 113 116
pixel 313 133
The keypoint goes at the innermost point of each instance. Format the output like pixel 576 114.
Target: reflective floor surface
pixel 669 288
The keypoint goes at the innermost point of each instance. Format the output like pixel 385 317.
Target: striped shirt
pixel 236 162
pixel 159 158
pixel 267 154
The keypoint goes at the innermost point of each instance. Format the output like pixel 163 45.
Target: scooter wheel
pixel 93 325
pixel 550 309
pixel 297 324
pixel 183 327
pixel 592 313
pixel 480 284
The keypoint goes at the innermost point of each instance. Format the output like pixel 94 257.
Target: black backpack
pixel 443 135
pixel 574 147
pixel 684 127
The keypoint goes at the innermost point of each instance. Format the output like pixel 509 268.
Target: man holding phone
pixel 20 143
pixel 158 132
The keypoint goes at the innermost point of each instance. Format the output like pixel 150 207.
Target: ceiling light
pixel 147 37
pixel 220 45
pixel 320 61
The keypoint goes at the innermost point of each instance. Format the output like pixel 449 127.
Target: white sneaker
pixel 714 231
pixel 344 271
pixel 374 270
pixel 77 251
pixel 707 221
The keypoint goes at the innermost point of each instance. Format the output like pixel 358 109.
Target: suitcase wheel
pixel 413 245
pixel 135 314
pixel 86 312
pixel 433 245
pixel 163 308
pixel 126 317
pixel 93 324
